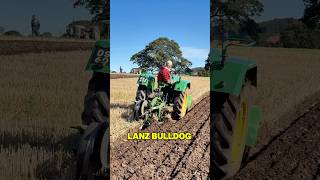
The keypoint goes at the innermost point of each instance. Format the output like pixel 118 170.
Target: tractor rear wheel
pixel 180 104
pixel 141 96
pixel 95 107
pixel 94 141
pixel 93 144
pixel 230 124
pixel 96 101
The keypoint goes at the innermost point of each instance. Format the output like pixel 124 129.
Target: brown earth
pixel 159 159
pixel 13 47
pixel 294 153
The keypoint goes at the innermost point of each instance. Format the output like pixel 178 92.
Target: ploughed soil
pixel 167 159
pixel 12 47
pixel 294 153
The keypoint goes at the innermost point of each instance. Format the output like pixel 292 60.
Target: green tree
pixel 156 53
pixel 101 11
pixel 98 8
pixel 297 35
pixel 251 28
pixel 230 15
pixel 203 72
pixel 12 33
pixel 207 63
pixel 47 34
pixel 236 10
pixel 311 15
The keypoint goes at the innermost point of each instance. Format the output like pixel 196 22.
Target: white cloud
pixel 195 53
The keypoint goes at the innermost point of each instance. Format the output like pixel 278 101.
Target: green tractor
pixel 234 116
pixel 152 98
pixel 93 149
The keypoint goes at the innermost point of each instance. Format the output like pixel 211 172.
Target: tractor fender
pixel 99 60
pixel 231 77
pixel 147 80
pixel 182 85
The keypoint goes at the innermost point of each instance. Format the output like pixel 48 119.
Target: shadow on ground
pixel 61 168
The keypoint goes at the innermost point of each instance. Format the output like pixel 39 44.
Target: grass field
pixel 123 94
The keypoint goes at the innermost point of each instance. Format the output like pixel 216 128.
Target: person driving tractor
pixel 164 78
pixel 164 74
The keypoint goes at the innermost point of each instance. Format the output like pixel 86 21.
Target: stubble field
pixel 41 97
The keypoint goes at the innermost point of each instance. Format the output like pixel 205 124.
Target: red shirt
pixel 164 74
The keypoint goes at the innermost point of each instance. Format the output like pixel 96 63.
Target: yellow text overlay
pixel 159 136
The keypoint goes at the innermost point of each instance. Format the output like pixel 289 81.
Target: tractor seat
pixel 162 84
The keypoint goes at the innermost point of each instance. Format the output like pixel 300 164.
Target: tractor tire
pixel 141 96
pixel 89 162
pixel 230 115
pixel 94 141
pixel 96 101
pixel 105 154
pixel 180 105
pixel 96 107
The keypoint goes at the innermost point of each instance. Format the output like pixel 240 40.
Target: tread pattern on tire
pixel 95 115
pixel 177 106
pixel 96 101
pixel 141 94
pixel 224 112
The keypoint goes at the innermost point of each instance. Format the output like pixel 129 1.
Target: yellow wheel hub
pixel 239 137
pixel 184 104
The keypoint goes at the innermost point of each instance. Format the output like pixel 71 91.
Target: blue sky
pixel 134 24
pixel 54 15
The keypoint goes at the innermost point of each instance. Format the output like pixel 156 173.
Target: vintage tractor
pixel 234 116
pixel 152 97
pixel 93 150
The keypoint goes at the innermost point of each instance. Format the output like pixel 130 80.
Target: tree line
pixel 238 20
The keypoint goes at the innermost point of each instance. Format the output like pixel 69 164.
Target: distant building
pixel 136 71
pixel 83 30
pixel 273 39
